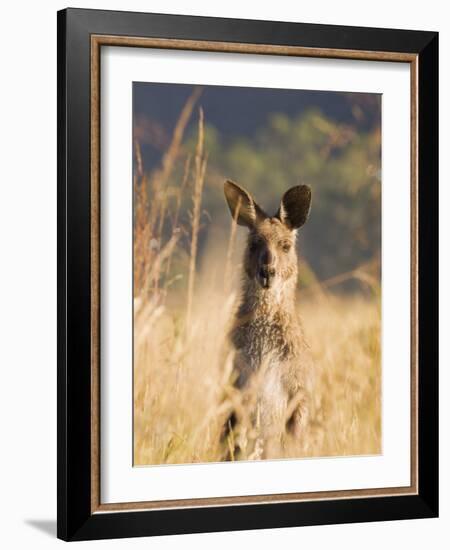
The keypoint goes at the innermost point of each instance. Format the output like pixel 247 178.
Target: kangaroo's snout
pixel 267 257
pixel 266 272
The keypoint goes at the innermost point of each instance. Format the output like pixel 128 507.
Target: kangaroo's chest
pixel 264 340
pixel 262 353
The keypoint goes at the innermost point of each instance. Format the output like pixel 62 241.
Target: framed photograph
pixel 247 286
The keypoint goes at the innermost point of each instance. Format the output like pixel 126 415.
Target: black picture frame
pixel 75 518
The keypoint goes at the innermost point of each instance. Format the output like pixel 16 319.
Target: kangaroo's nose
pixel 267 258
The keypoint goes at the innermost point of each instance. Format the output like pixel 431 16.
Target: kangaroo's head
pixel 270 257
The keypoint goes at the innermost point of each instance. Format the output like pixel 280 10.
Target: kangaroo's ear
pixel 295 206
pixel 242 206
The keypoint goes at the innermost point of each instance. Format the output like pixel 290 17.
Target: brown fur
pixel 272 357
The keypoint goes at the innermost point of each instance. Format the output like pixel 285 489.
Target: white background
pixel 28 274
pixel 119 481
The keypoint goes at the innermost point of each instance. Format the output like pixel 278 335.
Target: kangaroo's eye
pixel 286 247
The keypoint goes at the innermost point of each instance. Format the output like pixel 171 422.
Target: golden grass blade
pixel 200 169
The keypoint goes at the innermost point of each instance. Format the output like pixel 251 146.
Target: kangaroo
pixel 272 361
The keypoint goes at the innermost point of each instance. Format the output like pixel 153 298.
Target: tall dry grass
pixel 182 360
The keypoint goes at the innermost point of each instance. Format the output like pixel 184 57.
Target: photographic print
pixel 247 274
pixel 256 274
